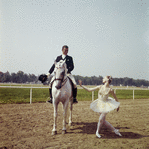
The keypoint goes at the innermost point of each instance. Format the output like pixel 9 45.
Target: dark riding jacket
pixel 69 63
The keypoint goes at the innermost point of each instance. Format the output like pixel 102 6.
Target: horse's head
pixel 60 71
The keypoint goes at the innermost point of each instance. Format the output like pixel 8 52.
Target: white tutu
pixel 104 104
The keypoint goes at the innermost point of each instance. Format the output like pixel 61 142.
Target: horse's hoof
pixel 54 132
pixel 63 131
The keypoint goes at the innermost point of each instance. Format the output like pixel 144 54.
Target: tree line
pixel 94 80
pixel 21 77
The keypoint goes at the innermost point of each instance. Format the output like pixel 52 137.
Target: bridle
pixel 63 81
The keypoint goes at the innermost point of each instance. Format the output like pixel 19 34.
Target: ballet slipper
pixel 98 135
pixel 117 132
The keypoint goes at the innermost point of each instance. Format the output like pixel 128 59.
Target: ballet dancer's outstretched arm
pixel 89 89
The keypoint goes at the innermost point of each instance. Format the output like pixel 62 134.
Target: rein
pixel 62 80
pixel 58 79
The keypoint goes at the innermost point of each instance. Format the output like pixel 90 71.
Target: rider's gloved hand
pixel 43 78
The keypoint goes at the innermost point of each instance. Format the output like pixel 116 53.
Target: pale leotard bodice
pixel 103 97
pixel 102 94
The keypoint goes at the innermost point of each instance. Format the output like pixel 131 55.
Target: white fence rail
pixel 133 90
pixel 23 87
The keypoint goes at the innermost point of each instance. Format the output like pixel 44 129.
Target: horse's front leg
pixel 70 116
pixel 54 131
pixel 65 107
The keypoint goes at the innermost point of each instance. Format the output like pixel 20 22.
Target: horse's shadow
pixel 90 128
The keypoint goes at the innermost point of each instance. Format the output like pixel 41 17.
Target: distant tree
pixel 13 77
pixel 7 77
pixel 2 77
pixel 121 81
pixel 19 76
pixel 126 81
pixel 25 78
pixel 115 81
pixel 130 80
pixel 100 79
pixel 32 78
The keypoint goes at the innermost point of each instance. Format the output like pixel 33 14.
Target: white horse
pixel 61 92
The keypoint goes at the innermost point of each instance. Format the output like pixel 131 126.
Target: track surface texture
pixel 29 126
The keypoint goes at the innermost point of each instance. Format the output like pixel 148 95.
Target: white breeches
pixel 71 78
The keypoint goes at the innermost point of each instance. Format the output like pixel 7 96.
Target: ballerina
pixel 104 104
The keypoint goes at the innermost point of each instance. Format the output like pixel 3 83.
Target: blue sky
pixel 105 37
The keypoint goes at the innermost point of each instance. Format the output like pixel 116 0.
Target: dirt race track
pixel 29 126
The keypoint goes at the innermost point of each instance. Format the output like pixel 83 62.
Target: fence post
pixel 115 91
pixel 133 94
pixel 30 95
pixel 92 95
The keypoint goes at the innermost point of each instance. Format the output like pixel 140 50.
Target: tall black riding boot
pixel 74 95
pixel 50 93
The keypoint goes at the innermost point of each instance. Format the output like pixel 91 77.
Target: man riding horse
pixel 70 67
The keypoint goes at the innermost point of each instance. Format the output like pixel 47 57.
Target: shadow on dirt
pixel 90 128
